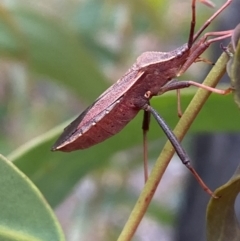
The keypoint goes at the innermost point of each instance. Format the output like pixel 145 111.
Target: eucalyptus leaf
pixel 235 37
pixel 235 75
pixel 233 66
pixel 25 214
pixel 222 224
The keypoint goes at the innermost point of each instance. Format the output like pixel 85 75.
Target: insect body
pixel 121 102
pixel 152 74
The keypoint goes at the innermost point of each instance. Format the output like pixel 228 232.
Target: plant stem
pixel 163 160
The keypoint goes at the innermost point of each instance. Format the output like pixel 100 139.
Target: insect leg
pixel 145 128
pixel 201 45
pixel 208 3
pixel 191 37
pixel 206 24
pixel 204 60
pixel 177 146
pixel 176 84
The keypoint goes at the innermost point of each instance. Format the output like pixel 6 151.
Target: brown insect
pixel 151 75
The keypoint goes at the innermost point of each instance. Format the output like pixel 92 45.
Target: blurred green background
pixel 56 58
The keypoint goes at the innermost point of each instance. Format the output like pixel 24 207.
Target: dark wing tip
pixel 54 148
pixel 58 144
pixel 69 131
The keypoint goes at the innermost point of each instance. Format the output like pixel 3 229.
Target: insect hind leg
pixel 145 128
pixel 177 146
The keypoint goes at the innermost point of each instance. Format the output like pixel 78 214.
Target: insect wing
pixel 70 129
pixel 111 95
pixel 95 111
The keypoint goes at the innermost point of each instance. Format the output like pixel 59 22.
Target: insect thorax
pixel 168 63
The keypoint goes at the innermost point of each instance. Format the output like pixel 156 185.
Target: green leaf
pixel 25 214
pixel 51 49
pixel 222 224
pixel 234 69
pixel 233 65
